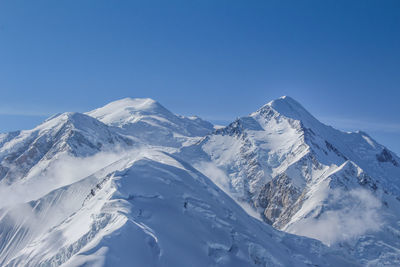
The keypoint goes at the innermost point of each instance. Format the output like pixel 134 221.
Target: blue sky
pixel 213 58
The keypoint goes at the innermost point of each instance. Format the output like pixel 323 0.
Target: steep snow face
pixel 290 108
pixel 333 146
pixel 71 134
pixel 253 150
pixel 150 122
pixel 148 209
pixel 289 166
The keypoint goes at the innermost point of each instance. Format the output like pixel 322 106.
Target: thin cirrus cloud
pixel 356 124
pixel 27 113
pixel 11 120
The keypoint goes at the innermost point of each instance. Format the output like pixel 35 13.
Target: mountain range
pixel 133 184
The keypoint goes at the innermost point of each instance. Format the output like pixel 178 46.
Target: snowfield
pixel 132 184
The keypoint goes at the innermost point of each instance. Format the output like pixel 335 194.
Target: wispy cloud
pixel 65 170
pixel 10 112
pixel 351 215
pixel 356 124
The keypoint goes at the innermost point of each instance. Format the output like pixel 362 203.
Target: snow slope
pixel 308 178
pixel 148 209
pixel 72 134
pixel 131 183
pixel 150 122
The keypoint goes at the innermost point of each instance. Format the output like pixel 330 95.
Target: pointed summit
pixel 292 109
pixel 284 102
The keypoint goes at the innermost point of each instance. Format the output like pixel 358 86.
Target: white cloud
pixel 351 215
pixel 65 170
pixel 217 175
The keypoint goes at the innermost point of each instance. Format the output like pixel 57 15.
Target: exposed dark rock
pixel 276 196
pixel 386 156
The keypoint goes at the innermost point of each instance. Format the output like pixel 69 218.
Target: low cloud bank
pixel 63 171
pixel 354 213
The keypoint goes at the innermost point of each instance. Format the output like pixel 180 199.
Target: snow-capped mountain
pixel 75 134
pixel 308 178
pixel 132 184
pixel 148 209
pixel 28 158
pixel 150 122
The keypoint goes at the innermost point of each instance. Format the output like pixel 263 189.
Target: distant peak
pixel 135 103
pixel 76 119
pixel 290 108
pixel 128 110
pixel 285 97
pixel 128 106
pixel 284 104
pixel 62 116
pixel 285 100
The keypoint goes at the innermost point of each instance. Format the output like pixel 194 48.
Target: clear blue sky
pixel 213 58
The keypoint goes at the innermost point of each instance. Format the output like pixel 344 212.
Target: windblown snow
pixel 132 184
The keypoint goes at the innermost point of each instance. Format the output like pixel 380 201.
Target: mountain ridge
pixel 286 164
pixel 109 169
pixel 150 122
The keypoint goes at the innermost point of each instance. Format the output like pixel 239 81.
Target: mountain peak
pixel 287 106
pixel 148 120
pixel 60 119
pixel 137 104
pixel 127 110
pixel 290 108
